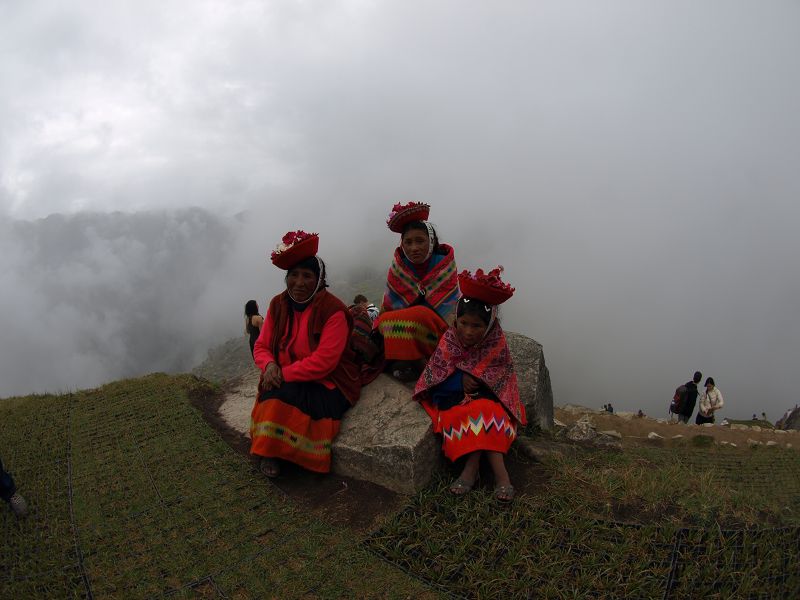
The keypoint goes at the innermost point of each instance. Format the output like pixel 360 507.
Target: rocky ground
pixel 630 430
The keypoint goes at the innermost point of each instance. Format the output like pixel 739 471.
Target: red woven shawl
pixel 489 360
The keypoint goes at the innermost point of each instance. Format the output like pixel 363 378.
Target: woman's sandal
pixel 269 467
pixel 504 493
pixel 460 487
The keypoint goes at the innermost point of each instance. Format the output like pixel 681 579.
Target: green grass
pixel 652 523
pixel 132 495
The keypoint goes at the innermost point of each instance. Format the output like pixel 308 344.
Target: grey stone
pixel 708 424
pixel 755 428
pixel 677 437
pixel 753 443
pixel 739 426
pixel 612 433
pixel 535 389
pixel 772 443
pixel 780 431
pixel 557 423
pixel 654 436
pixel 582 431
pixel 388 439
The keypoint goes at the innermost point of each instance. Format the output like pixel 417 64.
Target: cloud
pixel 633 166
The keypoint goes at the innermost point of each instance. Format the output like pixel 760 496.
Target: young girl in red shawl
pixel 469 387
pixel 421 288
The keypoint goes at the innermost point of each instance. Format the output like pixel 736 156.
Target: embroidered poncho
pixel 438 288
pixel 489 360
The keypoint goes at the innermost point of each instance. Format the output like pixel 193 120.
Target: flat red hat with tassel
pixel 402 214
pixel 294 247
pixel 486 287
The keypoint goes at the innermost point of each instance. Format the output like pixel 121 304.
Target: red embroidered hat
pixel 402 214
pixel 294 247
pixel 486 287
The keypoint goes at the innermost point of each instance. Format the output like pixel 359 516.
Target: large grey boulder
pixel 535 389
pixel 387 438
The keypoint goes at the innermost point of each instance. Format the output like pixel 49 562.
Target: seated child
pixel 469 387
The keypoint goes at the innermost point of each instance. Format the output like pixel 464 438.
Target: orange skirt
pixel 299 425
pixel 410 333
pixel 481 424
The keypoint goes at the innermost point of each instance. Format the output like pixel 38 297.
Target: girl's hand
pixel 471 384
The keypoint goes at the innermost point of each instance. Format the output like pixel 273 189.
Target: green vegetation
pixel 133 495
pixel 652 523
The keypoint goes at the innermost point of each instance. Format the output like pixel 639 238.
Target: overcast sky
pixel 633 165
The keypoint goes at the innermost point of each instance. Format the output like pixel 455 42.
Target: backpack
pixel 678 400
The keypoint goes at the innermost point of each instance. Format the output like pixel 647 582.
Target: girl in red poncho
pixel 469 387
pixel 309 373
pixel 421 289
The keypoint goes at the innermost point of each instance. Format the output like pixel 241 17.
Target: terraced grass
pixel 644 524
pixel 133 496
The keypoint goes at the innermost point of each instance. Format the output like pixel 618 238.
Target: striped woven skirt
pixel 410 333
pixel 298 422
pixel 481 424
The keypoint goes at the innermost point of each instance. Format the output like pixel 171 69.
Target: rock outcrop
pixel 387 439
pixel 791 421
pixel 535 388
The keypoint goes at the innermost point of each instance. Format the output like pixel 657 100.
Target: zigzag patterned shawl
pixel 489 360
pixel 439 287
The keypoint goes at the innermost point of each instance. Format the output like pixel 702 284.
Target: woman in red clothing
pixel 469 387
pixel 309 373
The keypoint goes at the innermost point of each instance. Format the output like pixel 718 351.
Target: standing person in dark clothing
pixel 9 493
pixel 253 322
pixel 687 407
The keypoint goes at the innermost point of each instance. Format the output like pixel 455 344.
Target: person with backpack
pixel 686 398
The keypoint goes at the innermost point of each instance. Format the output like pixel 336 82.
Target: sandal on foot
pixel 269 467
pixel 504 493
pixel 460 487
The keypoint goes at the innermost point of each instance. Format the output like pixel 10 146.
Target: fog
pixel 633 166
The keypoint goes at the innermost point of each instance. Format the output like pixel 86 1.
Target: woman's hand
pixel 472 385
pixel 272 377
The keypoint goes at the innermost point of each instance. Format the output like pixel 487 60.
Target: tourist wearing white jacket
pixel 710 402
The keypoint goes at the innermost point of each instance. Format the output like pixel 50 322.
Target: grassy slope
pixel 132 495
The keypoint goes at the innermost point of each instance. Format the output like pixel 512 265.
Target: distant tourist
pixel 10 495
pixel 469 387
pixel 755 418
pixel 309 372
pixel 610 408
pixel 640 414
pixel 253 322
pixel 764 416
pixel 689 400
pixel 421 292
pixel 710 402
